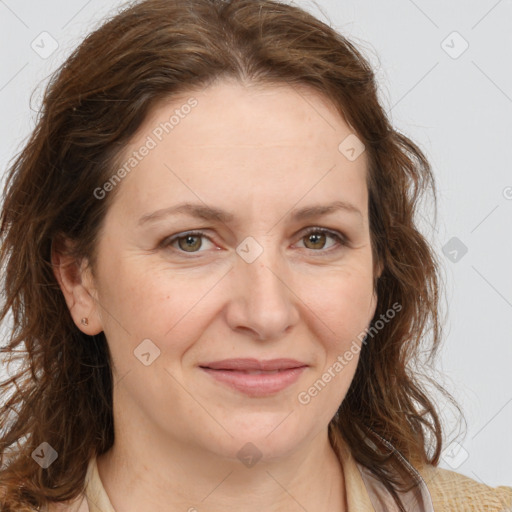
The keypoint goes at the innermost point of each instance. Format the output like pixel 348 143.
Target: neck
pixel 310 478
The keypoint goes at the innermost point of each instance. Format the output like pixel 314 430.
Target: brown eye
pixel 315 239
pixel 190 243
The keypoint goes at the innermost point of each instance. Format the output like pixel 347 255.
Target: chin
pixel 266 438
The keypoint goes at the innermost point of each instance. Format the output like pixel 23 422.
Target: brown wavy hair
pixel 61 390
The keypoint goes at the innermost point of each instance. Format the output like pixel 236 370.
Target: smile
pixel 255 378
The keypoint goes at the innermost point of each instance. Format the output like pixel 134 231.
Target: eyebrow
pixel 216 214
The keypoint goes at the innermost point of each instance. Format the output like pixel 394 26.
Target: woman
pixel 211 258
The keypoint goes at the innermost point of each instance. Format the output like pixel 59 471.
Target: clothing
pixel 441 491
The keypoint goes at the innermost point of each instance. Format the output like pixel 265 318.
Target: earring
pixel 84 321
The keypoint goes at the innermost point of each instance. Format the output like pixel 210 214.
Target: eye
pixel 187 242
pixel 192 241
pixel 317 237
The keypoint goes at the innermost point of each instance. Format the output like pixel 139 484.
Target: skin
pixel 259 152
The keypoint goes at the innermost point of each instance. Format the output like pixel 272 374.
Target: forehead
pixel 234 142
pixel 233 114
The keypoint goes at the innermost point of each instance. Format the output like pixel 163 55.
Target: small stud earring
pixel 84 321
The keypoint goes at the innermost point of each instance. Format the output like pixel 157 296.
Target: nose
pixel 263 303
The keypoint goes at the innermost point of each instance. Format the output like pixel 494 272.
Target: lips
pixel 255 377
pixel 254 365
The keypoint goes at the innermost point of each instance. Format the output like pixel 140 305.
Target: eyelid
pixel 167 241
pixel 340 238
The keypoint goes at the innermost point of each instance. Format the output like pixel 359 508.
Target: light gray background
pixel 456 105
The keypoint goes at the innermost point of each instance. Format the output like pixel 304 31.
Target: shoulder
pixel 454 492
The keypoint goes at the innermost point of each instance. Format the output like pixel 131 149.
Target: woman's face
pixel 190 321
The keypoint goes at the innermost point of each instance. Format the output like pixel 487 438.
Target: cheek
pixel 143 301
pixel 340 311
pixel 344 304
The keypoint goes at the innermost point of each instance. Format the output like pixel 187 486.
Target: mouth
pixel 255 377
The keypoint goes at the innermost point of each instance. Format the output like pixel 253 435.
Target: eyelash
pixel 339 238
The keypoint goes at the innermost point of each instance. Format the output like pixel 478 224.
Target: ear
pixel 77 285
